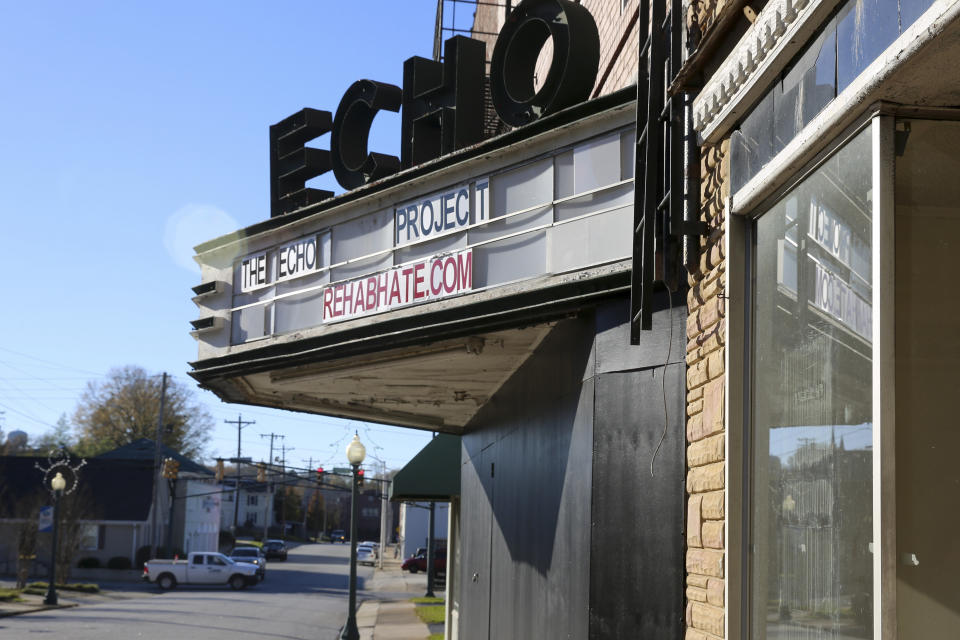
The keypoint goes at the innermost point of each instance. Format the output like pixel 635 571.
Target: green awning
pixel 433 474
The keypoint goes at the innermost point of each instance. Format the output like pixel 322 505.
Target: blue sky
pixel 130 132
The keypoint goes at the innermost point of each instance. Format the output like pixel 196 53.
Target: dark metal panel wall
pixel 613 349
pixel 476 521
pixel 539 548
pixel 637 591
pixel 565 529
pixel 538 503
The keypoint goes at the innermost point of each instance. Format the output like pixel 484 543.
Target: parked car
pixel 200 567
pixel 253 555
pixel 418 562
pixel 366 555
pixel 371 546
pixel 275 549
pixel 338 535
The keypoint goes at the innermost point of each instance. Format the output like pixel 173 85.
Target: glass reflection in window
pixel 811 469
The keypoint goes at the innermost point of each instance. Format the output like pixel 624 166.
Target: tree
pixel 124 407
pixel 286 505
pixel 316 509
pixel 60 436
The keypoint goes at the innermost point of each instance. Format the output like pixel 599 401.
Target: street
pixel 302 598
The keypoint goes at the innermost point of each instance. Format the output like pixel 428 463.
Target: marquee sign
pixel 442 102
pixel 420 281
pixel 293 260
pixel 440 214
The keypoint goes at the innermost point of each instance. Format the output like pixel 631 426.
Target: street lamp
pixel 57 485
pixel 58 463
pixel 356 452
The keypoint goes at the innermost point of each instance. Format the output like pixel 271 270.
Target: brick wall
pixel 619 40
pixel 706 427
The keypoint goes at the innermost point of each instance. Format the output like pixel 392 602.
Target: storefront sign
pixel 836 298
pixel 292 260
pixel 440 214
pixel 298 258
pixel 829 231
pixel 425 280
pixel 253 272
pixel 45 520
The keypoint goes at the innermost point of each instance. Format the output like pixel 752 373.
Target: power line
pixel 52 363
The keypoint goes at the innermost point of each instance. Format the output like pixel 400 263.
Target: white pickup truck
pixel 200 567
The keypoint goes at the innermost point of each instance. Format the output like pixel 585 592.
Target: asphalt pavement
pixel 304 597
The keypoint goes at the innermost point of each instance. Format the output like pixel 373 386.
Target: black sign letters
pixel 352 165
pixel 573 68
pixel 442 102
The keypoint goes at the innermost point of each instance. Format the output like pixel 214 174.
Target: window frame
pixel 741 247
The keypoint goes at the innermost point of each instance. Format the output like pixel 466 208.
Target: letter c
pixel 352 165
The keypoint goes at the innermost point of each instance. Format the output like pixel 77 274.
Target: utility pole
pixel 283 483
pixel 308 497
pixel 241 423
pixel 266 500
pixel 157 458
pixel 383 511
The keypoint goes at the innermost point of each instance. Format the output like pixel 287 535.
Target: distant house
pixel 196 513
pixel 414 526
pixel 116 504
pixel 113 499
pixel 254 507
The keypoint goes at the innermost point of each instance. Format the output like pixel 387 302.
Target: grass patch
pixel 73 586
pixel 435 636
pixel 10 595
pixel 430 612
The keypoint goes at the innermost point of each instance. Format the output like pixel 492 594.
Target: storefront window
pixel 811 455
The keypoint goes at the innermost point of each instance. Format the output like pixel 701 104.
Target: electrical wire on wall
pixel 663 382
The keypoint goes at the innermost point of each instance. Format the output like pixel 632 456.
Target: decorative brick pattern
pixel 706 422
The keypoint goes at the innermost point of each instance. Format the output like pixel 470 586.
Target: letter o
pixel 425 230
pixel 573 68
pixel 451 286
pixel 435 286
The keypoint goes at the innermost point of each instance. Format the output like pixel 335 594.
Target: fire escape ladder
pixel 666 225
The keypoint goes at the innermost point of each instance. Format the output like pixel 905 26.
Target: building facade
pixel 676 358
pixel 817 367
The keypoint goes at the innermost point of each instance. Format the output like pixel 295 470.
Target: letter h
pixel 443 102
pixel 292 164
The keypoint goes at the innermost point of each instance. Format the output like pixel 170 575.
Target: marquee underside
pixel 437 386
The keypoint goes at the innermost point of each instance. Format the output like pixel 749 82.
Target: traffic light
pixel 360 477
pixel 219 472
pixel 261 472
pixel 320 475
pixel 170 468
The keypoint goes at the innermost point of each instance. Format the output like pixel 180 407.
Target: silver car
pixel 251 555
pixel 366 555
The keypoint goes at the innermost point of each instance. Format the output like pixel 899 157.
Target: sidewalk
pixel 65 599
pixel 386 612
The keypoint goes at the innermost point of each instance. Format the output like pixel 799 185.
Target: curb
pixel 28 609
